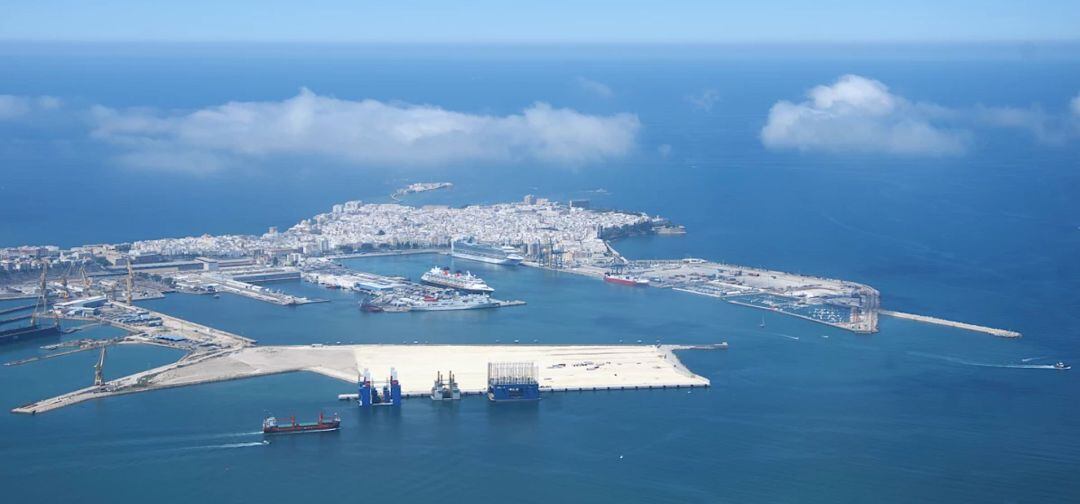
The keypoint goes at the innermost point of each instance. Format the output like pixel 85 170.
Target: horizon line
pixel 555 43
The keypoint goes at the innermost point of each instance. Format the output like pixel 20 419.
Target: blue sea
pixel 798 412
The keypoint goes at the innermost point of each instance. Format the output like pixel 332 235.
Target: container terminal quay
pixel 99 284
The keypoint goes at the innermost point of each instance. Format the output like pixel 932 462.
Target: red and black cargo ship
pixel 272 426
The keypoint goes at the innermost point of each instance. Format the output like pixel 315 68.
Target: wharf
pixel 261 294
pixel 1002 333
pixel 562 368
pixel 84 346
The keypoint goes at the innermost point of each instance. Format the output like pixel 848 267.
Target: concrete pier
pixel 562 368
pixel 1003 333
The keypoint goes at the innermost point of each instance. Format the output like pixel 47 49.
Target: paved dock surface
pixel 1003 333
pixel 561 367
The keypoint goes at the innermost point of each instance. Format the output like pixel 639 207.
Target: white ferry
pixel 442 277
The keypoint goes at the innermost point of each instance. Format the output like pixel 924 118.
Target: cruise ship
pixel 485 253
pixel 442 277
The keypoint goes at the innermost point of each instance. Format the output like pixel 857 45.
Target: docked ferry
pixel 485 253
pixel 621 279
pixel 272 426
pixel 464 302
pixel 442 277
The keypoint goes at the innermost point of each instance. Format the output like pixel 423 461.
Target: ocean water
pixel 913 413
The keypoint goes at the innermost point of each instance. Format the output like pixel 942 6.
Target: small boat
pixel 1062 366
pixel 271 425
pixel 762 325
pixel 722 345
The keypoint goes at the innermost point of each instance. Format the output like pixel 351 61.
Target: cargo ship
pixel 621 279
pixel 272 426
pixel 442 277
pixel 472 251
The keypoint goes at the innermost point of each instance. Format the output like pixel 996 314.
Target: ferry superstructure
pixel 465 302
pixel 443 277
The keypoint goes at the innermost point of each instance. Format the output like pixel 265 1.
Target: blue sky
pixel 597 21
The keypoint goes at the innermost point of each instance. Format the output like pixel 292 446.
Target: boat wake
pixel 1029 359
pixel 956 360
pixel 226 446
pixel 172 440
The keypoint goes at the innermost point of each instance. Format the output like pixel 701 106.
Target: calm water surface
pixel 913 413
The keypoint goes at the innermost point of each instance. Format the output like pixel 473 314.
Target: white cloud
pixel 860 114
pixel 704 100
pixel 13 106
pixel 597 88
pixel 367 131
pixel 1047 128
pixel 1075 106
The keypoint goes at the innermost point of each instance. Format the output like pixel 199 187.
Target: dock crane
pixel 65 293
pixel 65 290
pixel 99 369
pixel 87 283
pixel 130 282
pixel 41 306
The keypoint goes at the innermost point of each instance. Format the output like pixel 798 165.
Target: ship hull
pixel 490 260
pixel 301 429
pixel 624 281
pixel 27 333
pixel 436 283
pixel 479 306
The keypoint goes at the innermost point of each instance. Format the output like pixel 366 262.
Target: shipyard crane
pixel 99 369
pixel 65 291
pixel 130 282
pixel 87 283
pixel 41 306
pixel 42 303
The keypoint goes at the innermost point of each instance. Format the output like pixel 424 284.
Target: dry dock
pixel 562 368
pixel 1003 333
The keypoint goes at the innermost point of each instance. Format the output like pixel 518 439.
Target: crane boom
pixel 130 282
pixel 99 369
